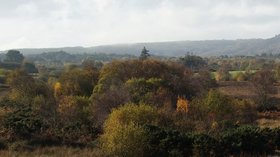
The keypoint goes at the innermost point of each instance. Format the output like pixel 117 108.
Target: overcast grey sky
pixel 58 23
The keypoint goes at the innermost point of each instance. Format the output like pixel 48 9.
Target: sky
pixel 61 23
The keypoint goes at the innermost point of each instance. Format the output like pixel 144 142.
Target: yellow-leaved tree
pixel 124 130
pixel 57 89
pixel 182 104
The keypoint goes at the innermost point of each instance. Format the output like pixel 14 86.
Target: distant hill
pixel 179 48
pixel 62 57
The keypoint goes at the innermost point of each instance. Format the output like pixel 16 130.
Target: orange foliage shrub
pixel 182 105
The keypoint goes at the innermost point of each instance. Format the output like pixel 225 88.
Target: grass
pixel 244 90
pixel 233 74
pixel 269 119
pixel 75 152
pixel 54 152
pixel 3 90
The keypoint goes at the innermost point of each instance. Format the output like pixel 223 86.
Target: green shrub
pixel 23 122
pixel 205 145
pixel 248 139
pixel 168 143
pixel 276 137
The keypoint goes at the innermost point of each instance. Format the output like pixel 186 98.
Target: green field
pixel 233 74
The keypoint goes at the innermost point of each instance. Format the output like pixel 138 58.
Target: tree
pixel 263 83
pixel 173 78
pixel 133 130
pixel 91 64
pixel 104 103
pixel 131 113
pixel 22 85
pixel 203 81
pixel 126 140
pixel 29 67
pixel 193 62
pixel 14 56
pixel 74 122
pixel 214 110
pixel 146 90
pixel 31 93
pixel 78 82
pixel 124 130
pixel 35 106
pixel 144 54
pixel 182 105
pixel 219 105
pixel 277 70
pixel 223 74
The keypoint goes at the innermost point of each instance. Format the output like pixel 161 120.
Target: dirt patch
pixel 4 90
pixel 269 119
pixel 242 89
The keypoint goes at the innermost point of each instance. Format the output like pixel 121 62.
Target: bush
pixel 10 66
pixel 266 103
pixel 23 122
pixel 246 139
pixel 19 146
pixel 168 143
pixel 263 82
pixel 241 140
pixel 3 144
pixel 2 79
pixel 117 73
pixel 276 137
pixel 214 110
pixel 205 145
pixel 74 124
pixel 149 91
pixel 246 113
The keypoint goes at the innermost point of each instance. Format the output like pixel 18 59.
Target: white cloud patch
pixel 56 23
pixel 27 9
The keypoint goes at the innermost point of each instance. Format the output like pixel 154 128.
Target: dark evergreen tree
pixel 144 54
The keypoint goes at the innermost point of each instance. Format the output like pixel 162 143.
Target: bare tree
pixel 263 83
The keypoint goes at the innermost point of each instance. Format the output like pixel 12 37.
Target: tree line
pixel 143 107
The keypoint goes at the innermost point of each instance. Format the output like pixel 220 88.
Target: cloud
pixel 56 23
